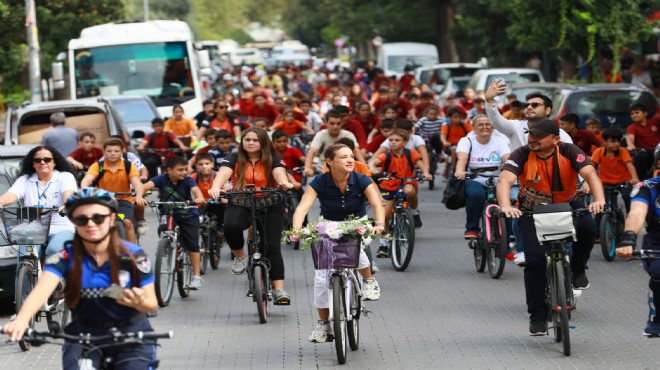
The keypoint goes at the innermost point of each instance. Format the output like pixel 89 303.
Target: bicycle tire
pixel 164 272
pixel 183 274
pixel 260 292
pixel 433 166
pixel 496 246
pixel 563 313
pixel 60 314
pixel 608 239
pixel 568 284
pixel 403 241
pixel 354 325
pixel 338 318
pixel 204 253
pixel 214 257
pixel 551 296
pixel 26 282
pixel 479 252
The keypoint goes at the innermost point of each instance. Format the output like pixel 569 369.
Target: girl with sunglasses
pixel 46 181
pixel 109 283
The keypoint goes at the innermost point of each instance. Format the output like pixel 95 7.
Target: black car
pixel 8 253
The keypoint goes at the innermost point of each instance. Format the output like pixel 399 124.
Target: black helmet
pixel 91 196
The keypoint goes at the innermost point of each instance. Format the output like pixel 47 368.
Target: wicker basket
pixel 341 253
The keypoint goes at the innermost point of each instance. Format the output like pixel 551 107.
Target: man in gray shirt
pixel 63 139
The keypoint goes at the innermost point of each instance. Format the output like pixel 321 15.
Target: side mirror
pixel 58 75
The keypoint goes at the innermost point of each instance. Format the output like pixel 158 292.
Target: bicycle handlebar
pixel 32 335
pixel 184 205
pixel 251 192
pixel 392 176
pixel 647 253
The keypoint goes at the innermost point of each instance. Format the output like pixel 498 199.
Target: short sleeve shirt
pixel 646 137
pixel 254 173
pixel 484 158
pixel 338 206
pixel 455 133
pixel 163 141
pixel 87 159
pixel 612 170
pixel 414 142
pixel 219 155
pixel 93 306
pixel 180 128
pixel 647 193
pixel 291 158
pixel 179 192
pixel 322 140
pixel 290 129
pixel 115 181
pixel 399 165
pixel 584 140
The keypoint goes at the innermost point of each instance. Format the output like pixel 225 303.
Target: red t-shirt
pixel 404 82
pixel 291 158
pixel 358 131
pixel 161 141
pixel 245 105
pixel 646 137
pixel 372 122
pixel 268 112
pixel 467 105
pixel 403 106
pixel 584 140
pixel 87 159
pixel 381 81
pixel 373 146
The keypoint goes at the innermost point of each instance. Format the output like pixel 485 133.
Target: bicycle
pixel 35 240
pixel 119 223
pixel 171 259
pixel 489 248
pixel 291 203
pixel 96 343
pixel 433 165
pixel 162 155
pixel 211 240
pixel 344 292
pixel 402 224
pixel 259 284
pixel 612 222
pixel 300 141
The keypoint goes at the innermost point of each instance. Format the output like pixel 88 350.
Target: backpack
pixel 388 160
pixel 462 128
pixel 167 136
pixel 127 167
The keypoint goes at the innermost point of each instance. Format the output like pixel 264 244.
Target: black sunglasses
pixel 222 106
pixel 534 105
pixel 39 160
pixel 84 220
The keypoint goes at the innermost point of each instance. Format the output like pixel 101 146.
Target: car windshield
pixel 603 103
pixel 135 111
pixel 441 75
pixel 510 78
pixel 397 63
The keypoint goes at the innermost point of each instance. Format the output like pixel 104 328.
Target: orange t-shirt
pixel 400 165
pixel 222 125
pixel 360 167
pixel 180 128
pixel 612 170
pixel 204 186
pixel 456 133
pixel 115 181
pixel 290 129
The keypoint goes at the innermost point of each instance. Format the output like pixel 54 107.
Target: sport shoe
pixel 418 221
pixel 538 328
pixel 652 329
pixel 320 332
pixel 383 252
pixel 239 266
pixel 374 268
pixel 142 227
pixel 370 290
pixel 471 235
pixel 519 259
pixel 281 298
pixel 195 283
pixel 580 281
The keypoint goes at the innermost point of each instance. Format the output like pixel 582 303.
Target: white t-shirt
pixel 413 142
pixel 322 141
pixel 314 120
pixel 484 155
pixel 34 194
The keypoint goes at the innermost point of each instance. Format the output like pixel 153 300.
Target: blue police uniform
pixel 95 313
pixel 649 194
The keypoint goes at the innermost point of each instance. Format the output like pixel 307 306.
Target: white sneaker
pixel 374 268
pixel 320 332
pixel 577 293
pixel 520 258
pixel 195 283
pixel 239 266
pixel 370 290
pixel 142 227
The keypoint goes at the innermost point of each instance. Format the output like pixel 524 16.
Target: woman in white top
pixel 486 157
pixel 46 182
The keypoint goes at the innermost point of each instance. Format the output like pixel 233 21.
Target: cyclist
pixel 222 120
pixel 642 208
pixel 584 139
pixel 159 139
pixel 363 116
pixel 95 259
pixel 116 175
pixel 547 170
pixel 642 137
pixel 255 163
pixel 483 154
pixel 261 108
pixel 341 193
pixel 182 127
pixel 290 125
pixel 414 141
pixel 224 145
pixel 429 126
pixel 401 160
pixel 176 186
pixel 452 132
pixel 386 127
pixel 87 153
pixel 291 156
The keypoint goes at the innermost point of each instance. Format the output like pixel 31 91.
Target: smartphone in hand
pixel 113 291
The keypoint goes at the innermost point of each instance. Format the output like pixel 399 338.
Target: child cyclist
pixel 204 176
pixel 176 186
pixel 401 160
pixel 87 153
pixel 290 125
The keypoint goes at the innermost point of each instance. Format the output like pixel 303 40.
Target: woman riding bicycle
pixel 342 193
pixel 487 153
pixel 47 181
pixel 90 264
pixel 254 163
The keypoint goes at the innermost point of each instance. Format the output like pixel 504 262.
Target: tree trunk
pixel 445 11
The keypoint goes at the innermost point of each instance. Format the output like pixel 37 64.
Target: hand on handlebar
pixel 378 230
pixel 511 212
pixel 309 172
pixel 460 174
pixel 428 176
pixel 626 244
pixel 285 185
pixel 200 201
pixel 141 202
pixel 15 329
pixel 596 207
pixel 214 192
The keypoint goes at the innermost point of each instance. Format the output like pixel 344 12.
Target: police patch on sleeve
pixel 142 263
pixel 55 258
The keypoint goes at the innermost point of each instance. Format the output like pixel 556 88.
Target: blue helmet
pixel 91 196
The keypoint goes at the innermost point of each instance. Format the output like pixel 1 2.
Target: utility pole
pixel 145 4
pixel 33 50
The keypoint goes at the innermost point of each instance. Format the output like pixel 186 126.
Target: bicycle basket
pixel 260 202
pixel 25 225
pixel 554 222
pixel 337 253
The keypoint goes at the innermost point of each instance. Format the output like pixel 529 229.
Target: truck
pixel 394 57
pixel 153 58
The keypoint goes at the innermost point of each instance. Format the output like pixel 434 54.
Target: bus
pixel 157 59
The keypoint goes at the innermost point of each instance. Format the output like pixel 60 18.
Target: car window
pixel 607 102
pixel 441 75
pixel 522 92
pixel 510 78
pixel 134 111
pixel 14 162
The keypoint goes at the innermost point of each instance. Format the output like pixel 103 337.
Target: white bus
pixel 155 58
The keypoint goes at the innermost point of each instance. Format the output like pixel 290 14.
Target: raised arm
pixel 500 123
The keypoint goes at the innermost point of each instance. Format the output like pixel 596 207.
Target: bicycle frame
pixel 35 260
pixel 349 278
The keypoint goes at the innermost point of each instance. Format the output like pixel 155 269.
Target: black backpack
pixel 127 166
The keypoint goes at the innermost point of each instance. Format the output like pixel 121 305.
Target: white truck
pixel 154 58
pixel 395 56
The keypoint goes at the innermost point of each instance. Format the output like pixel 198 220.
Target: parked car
pixel 454 86
pixel 8 253
pixel 550 89
pixel 482 78
pixel 137 112
pixel 12 155
pixel 437 76
pixel 394 57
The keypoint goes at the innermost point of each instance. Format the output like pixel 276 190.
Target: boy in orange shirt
pixel 402 161
pixel 452 132
pixel 290 125
pixel 615 164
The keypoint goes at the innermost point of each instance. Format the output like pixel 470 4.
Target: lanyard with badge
pixel 42 195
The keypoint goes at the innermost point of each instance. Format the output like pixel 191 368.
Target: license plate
pixel 9 251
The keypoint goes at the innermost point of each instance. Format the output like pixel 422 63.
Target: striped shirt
pixel 427 128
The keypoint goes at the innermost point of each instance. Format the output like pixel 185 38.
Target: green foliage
pixel 169 9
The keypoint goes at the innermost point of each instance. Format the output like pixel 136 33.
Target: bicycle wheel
pixel 338 318
pixel 26 281
pixel 183 274
pixel 479 250
pixel 354 324
pixel 204 253
pixel 403 241
pixel 214 252
pixel 496 245
pixel 433 166
pixel 164 272
pixel 260 292
pixel 59 313
pixel 568 284
pixel 608 237
pixel 563 312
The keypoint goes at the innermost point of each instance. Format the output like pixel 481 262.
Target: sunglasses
pixel 39 160
pixel 222 107
pixel 534 105
pixel 84 220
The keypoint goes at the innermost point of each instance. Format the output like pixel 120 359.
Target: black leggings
pixel 238 218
